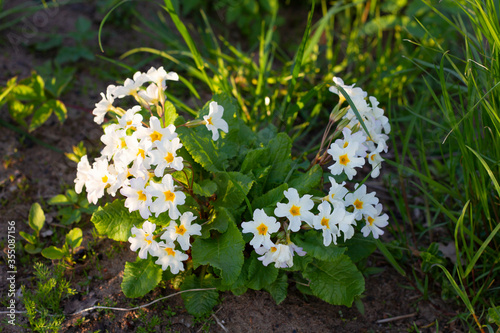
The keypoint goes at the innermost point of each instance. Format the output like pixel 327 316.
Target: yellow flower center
pixel 180 229
pixel 141 196
pixel 209 121
pixel 170 251
pixel 262 229
pixel 123 143
pixel 358 204
pixel 325 222
pixel 169 196
pixel 105 179
pixel 344 159
pixel 372 157
pixel 129 122
pixel 142 153
pixel 169 158
pixel 370 220
pixel 295 211
pixel 155 136
pixel 273 249
pixel 346 144
pixel 147 240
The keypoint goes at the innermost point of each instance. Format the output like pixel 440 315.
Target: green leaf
pixel 304 182
pixel 24 93
pixel 72 196
pixel 312 243
pixel 337 282
pixel 494 315
pixel 281 160
pixel 260 276
pixel 19 111
pixel 255 159
pixel 229 194
pixel 270 198
pixel 74 238
pixel 59 199
pixel 59 109
pixel 224 251
pixel 219 220
pixel 359 247
pixel 28 237
pixel 53 253
pixel 36 217
pixel 69 215
pixel 199 302
pixel 279 288
pixel 41 115
pixel 205 188
pixel 32 249
pixel 115 221
pixel 170 113
pixel 140 277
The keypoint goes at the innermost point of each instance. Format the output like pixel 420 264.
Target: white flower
pixel 280 254
pixel 167 197
pixel 156 132
pixel 375 222
pixel 346 225
pixel 326 220
pixel 337 191
pixel 346 159
pixel 105 105
pixel 130 86
pixel 376 160
pixel 296 210
pixel 131 119
pixel 183 231
pixel 151 94
pixel 114 139
pixel 99 179
pixel 137 197
pixel 165 156
pixel 356 139
pixel 363 203
pixel 214 120
pixel 143 239
pixel 82 174
pixel 262 227
pixel 159 76
pixel 169 257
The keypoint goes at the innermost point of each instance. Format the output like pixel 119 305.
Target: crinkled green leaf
pixel 304 182
pixel 219 220
pixel 199 302
pixel 18 111
pixel 337 282
pixel 36 217
pixel 312 243
pixel 279 288
pixel 281 158
pixel 205 188
pixel 59 109
pixel 24 92
pixel 270 198
pixel 229 194
pixel 115 221
pixel 359 247
pixel 255 159
pixel 260 276
pixel 140 277
pixel 224 251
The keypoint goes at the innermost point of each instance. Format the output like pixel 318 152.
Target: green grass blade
pixel 388 255
pixel 104 21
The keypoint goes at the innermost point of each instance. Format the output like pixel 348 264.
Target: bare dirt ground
pixel 32 173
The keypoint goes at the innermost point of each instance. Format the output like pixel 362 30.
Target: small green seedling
pixel 73 240
pixel 36 221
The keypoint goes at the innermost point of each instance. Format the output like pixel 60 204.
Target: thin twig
pixel 219 323
pixel 141 306
pixel 388 320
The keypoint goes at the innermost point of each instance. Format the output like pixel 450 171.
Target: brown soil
pixel 32 173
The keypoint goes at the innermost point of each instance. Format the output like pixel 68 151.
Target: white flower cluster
pixel 135 153
pixel 165 250
pixel 350 152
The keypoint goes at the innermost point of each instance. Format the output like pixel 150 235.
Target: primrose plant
pixel 212 205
